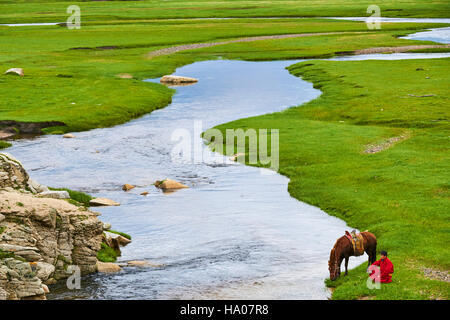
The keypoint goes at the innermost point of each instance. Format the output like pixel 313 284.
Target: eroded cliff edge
pixel 40 237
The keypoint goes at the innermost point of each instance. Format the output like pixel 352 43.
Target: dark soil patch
pixel 106 47
pixel 10 128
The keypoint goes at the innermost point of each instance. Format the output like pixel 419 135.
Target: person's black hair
pixel 383 253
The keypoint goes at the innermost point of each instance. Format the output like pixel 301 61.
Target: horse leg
pixel 346 265
pixel 369 260
pixel 374 255
pixel 339 266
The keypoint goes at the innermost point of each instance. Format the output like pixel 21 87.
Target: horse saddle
pixel 357 242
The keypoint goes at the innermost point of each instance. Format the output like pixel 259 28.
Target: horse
pixel 343 248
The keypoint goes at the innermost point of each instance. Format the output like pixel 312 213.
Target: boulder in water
pixel 140 263
pixel 103 202
pixel 127 187
pixel 177 80
pixel 108 267
pixel 169 184
pixel 18 71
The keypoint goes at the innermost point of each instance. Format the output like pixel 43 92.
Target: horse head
pixel 333 265
pixel 334 270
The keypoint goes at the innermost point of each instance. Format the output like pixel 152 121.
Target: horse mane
pixel 333 254
pixel 335 251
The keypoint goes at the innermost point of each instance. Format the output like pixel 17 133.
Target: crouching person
pixel 386 269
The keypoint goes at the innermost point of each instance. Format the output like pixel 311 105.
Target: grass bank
pixel 73 76
pixel 400 193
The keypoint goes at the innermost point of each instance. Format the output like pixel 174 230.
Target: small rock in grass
pixel 18 71
pixel 124 76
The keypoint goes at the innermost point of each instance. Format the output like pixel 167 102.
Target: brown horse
pixel 343 248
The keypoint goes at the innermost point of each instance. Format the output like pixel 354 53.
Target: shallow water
pixel 235 233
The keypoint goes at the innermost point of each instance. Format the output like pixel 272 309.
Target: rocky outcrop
pixel 12 173
pixel 143 264
pixel 40 237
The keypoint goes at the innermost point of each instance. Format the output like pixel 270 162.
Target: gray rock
pixel 171 79
pixel 15 248
pixel 37 187
pixel 18 71
pixel 108 267
pixel 28 253
pixel 103 202
pixel 13 174
pixel 3 294
pixel 55 194
pixel 44 270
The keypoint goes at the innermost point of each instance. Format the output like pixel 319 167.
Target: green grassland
pixel 401 194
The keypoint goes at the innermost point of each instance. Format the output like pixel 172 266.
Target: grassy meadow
pixel 401 194
pixel 71 77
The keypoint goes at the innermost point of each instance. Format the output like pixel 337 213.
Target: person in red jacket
pixel 386 268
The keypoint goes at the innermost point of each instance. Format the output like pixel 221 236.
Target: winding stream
pixel 235 233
